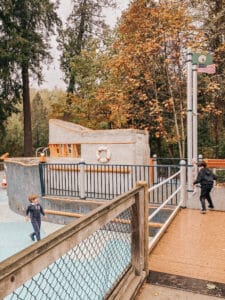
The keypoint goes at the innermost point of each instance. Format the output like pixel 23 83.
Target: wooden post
pixel 139 224
pixel 146 223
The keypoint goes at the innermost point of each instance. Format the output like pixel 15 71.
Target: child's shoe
pixel 211 207
pixel 32 237
pixel 203 211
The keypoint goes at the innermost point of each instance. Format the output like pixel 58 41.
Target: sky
pixel 52 73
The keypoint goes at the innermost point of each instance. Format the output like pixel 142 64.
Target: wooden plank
pixel 78 215
pixel 100 169
pixel 63 213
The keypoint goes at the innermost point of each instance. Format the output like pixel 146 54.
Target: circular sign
pixel 202 59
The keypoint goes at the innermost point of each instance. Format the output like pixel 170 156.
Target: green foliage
pixel 13 140
pixel 134 79
pixel 40 122
pixel 211 89
pixel 41 107
pixel 25 29
pixel 84 23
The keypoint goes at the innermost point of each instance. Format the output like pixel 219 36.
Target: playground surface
pixel 14 230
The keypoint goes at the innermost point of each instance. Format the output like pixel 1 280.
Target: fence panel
pixel 104 182
pixel 87 259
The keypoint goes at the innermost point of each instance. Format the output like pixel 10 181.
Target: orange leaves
pixel 213 87
pixel 210 108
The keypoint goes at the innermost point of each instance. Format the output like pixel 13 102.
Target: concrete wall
pixel 22 180
pixel 126 146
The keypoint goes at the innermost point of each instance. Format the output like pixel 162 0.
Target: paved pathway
pixel 193 246
pixel 191 251
pixel 14 231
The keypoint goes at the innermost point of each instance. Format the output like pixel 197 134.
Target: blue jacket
pixel 35 211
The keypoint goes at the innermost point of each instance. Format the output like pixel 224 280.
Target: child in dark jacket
pixel 34 210
pixel 205 178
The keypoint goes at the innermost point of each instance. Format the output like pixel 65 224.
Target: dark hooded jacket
pixel 205 177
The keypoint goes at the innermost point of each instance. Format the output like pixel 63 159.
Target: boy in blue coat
pixel 34 211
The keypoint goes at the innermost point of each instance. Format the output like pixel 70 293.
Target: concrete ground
pixel 14 230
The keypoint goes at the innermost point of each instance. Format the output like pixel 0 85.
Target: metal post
pixel 41 174
pixel 82 179
pixel 155 171
pixel 200 157
pixel 183 183
pixel 195 119
pixel 189 120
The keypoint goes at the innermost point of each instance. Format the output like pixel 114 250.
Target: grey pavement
pixel 14 230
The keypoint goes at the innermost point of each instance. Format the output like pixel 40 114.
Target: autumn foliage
pixel 146 82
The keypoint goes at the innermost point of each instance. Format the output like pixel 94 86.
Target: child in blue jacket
pixel 34 211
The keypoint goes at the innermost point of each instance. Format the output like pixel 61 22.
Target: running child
pixel 34 211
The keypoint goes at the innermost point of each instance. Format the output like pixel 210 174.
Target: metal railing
pixel 177 197
pixel 101 181
pixel 95 257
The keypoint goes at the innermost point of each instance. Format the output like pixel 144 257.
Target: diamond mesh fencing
pixel 89 270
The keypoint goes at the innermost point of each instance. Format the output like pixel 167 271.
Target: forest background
pixel 131 76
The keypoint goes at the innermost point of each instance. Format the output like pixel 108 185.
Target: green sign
pixel 202 59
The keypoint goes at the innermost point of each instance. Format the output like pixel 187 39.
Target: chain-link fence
pixel 85 259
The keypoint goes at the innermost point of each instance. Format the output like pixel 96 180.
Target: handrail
pixel 181 189
pixel 163 204
pixel 163 182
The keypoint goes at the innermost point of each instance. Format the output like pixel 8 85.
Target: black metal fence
pixel 98 181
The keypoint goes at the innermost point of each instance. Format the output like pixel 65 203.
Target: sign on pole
pixel 202 59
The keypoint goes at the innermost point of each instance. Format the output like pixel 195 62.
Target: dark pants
pixel 205 194
pixel 36 223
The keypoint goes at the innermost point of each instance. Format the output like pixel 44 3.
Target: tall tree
pixel 85 22
pixel 25 29
pixel 147 83
pixel 39 121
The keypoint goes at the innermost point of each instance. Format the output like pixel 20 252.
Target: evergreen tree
pixel 85 22
pixel 25 29
pixel 40 122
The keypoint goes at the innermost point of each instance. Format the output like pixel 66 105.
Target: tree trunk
pixel 26 112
